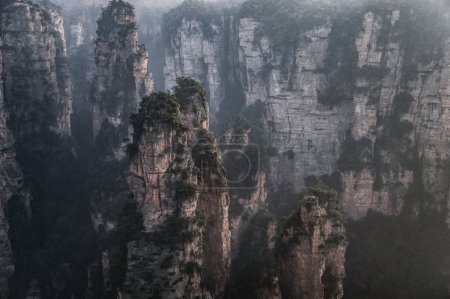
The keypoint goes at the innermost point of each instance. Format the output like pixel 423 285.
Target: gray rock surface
pixel 310 136
pixel 121 77
pixel 192 53
pixel 184 249
pixel 34 54
pixel 9 183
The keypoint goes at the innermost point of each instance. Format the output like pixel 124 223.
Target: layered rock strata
pixel 312 249
pixel 330 106
pixel 35 107
pixel 121 77
pixel 179 185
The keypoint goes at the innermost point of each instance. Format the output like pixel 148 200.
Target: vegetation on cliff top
pixel 206 14
pixel 283 21
pixel 322 193
pixel 206 152
pixel 165 108
pixel 107 23
pixel 156 108
pixel 188 90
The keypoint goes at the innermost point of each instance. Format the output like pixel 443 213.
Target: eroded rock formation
pixel 354 97
pixel 312 248
pixel 178 182
pixel 121 77
pixel 315 89
pixel 36 105
pixel 10 183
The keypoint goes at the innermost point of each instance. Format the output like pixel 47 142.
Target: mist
pixel 68 4
pixel 137 3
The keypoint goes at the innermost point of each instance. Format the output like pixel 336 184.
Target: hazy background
pixel 137 3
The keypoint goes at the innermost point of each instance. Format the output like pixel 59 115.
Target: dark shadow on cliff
pixel 397 257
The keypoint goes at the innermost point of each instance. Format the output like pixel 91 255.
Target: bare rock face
pixel 305 133
pixel 121 77
pixel 247 200
pixel 332 106
pixel 10 176
pixel 411 90
pixel 80 32
pixel 193 53
pixel 34 77
pixel 312 249
pixel 178 183
pixel 120 81
pixel 35 61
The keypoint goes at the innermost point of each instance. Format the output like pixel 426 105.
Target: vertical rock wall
pixel 192 53
pixel 312 250
pixel 178 182
pixel 121 77
pixel 10 176
pixel 34 74
pixel 35 62
pixel 318 91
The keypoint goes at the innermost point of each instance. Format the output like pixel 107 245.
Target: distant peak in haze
pixel 136 3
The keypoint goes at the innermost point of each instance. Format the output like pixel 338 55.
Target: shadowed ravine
pixel 249 149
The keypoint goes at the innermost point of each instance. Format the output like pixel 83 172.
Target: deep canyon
pixel 252 149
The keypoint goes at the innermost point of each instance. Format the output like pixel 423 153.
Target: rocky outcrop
pixel 306 134
pixel 331 106
pixel 312 248
pixel 354 97
pixel 35 96
pixel 119 82
pixel 247 184
pixel 403 122
pixel 193 53
pixel 357 99
pixel 80 26
pixel 121 77
pixel 180 188
pixel 10 177
pixel 35 62
pixel 80 31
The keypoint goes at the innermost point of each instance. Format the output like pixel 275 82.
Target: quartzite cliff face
pixel 80 31
pixel 308 114
pixel 10 183
pixel 179 185
pixel 354 97
pixel 35 61
pixel 326 101
pixel 120 81
pixel 191 52
pixel 36 104
pixel 165 221
pixel 312 248
pixel 121 77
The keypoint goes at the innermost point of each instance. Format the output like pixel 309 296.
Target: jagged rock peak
pixel 117 13
pixel 195 30
pixel 35 107
pixel 179 185
pixel 311 251
pixel 32 73
pixel 122 76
